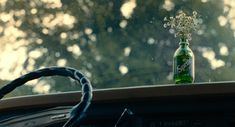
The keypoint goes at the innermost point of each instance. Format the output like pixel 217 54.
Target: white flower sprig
pixel 183 25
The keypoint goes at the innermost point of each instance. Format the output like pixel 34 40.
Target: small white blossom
pixel 183 25
pixel 165 19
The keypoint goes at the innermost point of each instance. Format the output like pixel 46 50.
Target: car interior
pixel 117 63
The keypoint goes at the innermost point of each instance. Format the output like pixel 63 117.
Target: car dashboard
pixel 195 105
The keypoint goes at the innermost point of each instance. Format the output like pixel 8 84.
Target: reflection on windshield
pixel 114 43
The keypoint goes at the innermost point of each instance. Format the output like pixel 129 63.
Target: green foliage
pixel 102 40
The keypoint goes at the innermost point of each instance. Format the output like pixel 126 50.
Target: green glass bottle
pixel 183 63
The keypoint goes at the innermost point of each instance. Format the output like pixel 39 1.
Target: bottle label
pixel 183 66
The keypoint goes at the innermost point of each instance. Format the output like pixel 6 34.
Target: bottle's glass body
pixel 183 64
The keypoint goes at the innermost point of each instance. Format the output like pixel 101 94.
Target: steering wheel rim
pixel 79 110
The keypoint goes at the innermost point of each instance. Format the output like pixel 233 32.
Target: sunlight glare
pixel 33 11
pixel 61 62
pixel 75 49
pixel 88 31
pixel 204 1
pixel 53 3
pixel 12 31
pixel 123 24
pixel 6 16
pixel 127 51
pixel 224 50
pixel 63 35
pixel 41 87
pixel 123 69
pixel 35 54
pixel 60 19
pixel 229 7
pixel 168 5
pixel 3 2
pixel 222 20
pixel 127 8
pixel 209 54
pixel 11 62
pixel 217 63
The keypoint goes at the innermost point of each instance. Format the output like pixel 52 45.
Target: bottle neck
pixel 183 42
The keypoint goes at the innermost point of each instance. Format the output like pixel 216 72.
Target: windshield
pixel 115 43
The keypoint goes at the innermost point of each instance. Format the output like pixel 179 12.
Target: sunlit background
pixel 114 43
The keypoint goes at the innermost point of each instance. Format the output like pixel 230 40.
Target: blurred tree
pixel 115 43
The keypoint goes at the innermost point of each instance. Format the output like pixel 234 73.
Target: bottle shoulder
pixel 184 51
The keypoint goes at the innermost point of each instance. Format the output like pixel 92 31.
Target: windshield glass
pixel 115 43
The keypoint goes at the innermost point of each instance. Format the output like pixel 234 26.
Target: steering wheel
pixel 79 110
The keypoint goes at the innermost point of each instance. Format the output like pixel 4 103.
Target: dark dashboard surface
pixel 197 105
